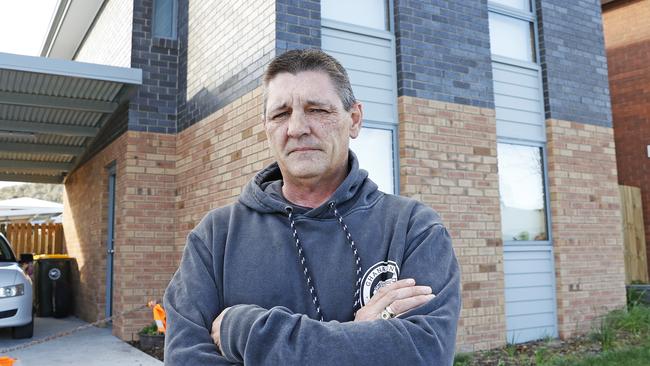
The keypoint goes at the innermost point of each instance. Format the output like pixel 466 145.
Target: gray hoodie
pixel 245 256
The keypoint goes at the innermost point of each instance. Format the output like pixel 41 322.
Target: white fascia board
pixel 65 36
pixel 76 69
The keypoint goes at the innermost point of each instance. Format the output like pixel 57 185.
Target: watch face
pixel 54 274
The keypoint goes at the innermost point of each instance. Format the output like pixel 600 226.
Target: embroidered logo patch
pixel 379 275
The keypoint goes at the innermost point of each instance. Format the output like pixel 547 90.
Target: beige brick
pixel 581 238
pixel 464 175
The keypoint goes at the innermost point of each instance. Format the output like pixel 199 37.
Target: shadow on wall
pixel 211 98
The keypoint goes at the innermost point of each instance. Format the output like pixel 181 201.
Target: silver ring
pixel 387 313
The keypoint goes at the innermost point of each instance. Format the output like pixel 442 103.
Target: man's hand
pixel 401 295
pixel 216 329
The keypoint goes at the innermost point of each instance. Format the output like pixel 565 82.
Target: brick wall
pixel 85 220
pixel 586 223
pixel 574 66
pixel 448 161
pixel 144 257
pixel 153 108
pixel 144 244
pixel 216 157
pixel 224 48
pixel 297 25
pixel 443 51
pixel 627 39
pixel 108 41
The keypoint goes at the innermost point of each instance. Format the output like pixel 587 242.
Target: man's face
pixel 307 128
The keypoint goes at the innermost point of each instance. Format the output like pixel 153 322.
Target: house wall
pixel 144 248
pixel 224 47
pixel 443 51
pixel 627 39
pixel 447 142
pixel 108 41
pixel 297 25
pixel 216 158
pixel 186 155
pixel 448 161
pixel 573 60
pixel 144 227
pixel 85 217
pixel 153 108
pixel 586 223
pixel 583 190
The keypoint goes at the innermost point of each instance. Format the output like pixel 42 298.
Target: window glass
pixel 517 4
pixel 367 13
pixel 164 14
pixel 521 188
pixel 374 148
pixel 5 252
pixel 511 37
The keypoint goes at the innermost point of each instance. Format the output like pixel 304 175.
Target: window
pixel 523 5
pixel 522 194
pixel 6 255
pixel 512 37
pixel 164 18
pixel 366 13
pixel 374 148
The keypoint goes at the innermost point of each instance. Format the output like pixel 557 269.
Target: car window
pixel 6 255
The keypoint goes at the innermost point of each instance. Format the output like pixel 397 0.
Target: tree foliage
pixel 41 191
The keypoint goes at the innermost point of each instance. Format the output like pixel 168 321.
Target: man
pixel 313 265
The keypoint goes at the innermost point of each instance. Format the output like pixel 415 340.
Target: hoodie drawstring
pixel 305 267
pixel 303 262
pixel 357 259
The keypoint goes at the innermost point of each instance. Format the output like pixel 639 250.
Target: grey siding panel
pixel 518 102
pixel 370 62
pixel 529 293
pixel 518 130
pixel 370 79
pixel 504 88
pixel 358 62
pixel 377 112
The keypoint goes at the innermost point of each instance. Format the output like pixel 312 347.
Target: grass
pixel 621 338
pixel 634 356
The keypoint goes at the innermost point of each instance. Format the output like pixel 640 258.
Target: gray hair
pixel 296 61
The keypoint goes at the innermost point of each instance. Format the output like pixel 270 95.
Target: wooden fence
pixel 636 264
pixel 34 238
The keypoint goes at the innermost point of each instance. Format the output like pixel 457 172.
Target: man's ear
pixel 357 119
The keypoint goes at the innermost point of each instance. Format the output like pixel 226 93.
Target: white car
pixel 15 294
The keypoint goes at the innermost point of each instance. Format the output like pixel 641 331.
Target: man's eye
pixel 280 115
pixel 317 110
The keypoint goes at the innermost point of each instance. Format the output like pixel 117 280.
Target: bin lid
pixel 51 256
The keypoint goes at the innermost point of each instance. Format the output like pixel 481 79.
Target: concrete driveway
pixel 93 346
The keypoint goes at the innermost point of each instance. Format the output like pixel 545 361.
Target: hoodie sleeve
pixel 189 322
pixel 423 336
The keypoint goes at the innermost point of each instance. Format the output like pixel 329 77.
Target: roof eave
pixel 68 27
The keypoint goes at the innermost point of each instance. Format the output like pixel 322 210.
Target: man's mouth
pixel 302 149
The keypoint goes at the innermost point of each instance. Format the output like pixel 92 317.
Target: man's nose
pixel 298 125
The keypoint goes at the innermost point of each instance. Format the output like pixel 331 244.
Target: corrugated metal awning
pixel 51 110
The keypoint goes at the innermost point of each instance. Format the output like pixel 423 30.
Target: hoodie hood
pixel 355 190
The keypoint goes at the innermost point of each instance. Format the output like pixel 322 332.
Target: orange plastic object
pixel 160 317
pixel 6 361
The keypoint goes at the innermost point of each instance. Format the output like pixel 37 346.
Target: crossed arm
pixel 423 334
pixel 401 296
